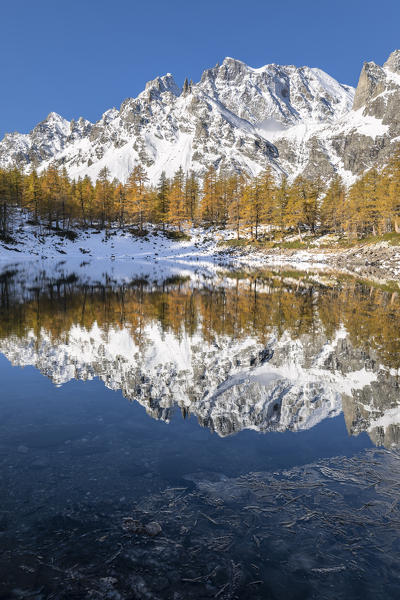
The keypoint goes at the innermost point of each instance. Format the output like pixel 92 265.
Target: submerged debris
pixel 325 530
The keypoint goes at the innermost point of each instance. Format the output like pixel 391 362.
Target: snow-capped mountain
pixel 298 120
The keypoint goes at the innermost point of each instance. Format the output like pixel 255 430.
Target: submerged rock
pixel 153 528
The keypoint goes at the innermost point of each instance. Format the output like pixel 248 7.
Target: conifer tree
pixel 120 201
pixel 177 214
pixel 5 204
pixel 384 204
pixel 104 198
pixel 88 201
pixel 261 208
pixel 394 190
pixel 332 206
pixel 295 213
pixel 66 205
pixel 191 196
pixel 51 194
pixel 162 200
pixel 237 204
pixel 222 198
pixel 281 197
pixel 353 216
pixel 209 197
pixel 136 196
pixel 369 207
pixel 32 193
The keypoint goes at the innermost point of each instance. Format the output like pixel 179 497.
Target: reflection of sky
pixel 30 403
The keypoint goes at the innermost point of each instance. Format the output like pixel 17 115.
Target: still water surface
pixel 233 437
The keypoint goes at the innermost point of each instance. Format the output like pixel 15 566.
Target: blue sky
pixel 83 57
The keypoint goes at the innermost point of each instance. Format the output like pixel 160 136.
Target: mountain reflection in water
pixel 99 501
pixel 272 352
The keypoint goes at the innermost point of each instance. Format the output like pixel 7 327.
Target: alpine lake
pixel 181 437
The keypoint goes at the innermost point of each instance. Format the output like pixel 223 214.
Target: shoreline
pixel 379 262
pixel 203 252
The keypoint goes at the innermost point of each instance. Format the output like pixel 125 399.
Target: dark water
pixel 197 438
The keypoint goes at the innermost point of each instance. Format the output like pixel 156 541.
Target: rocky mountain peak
pixel 285 95
pixel 232 67
pixel 109 115
pixel 370 84
pixel 159 85
pixel 54 121
pixel 80 127
pixel 393 62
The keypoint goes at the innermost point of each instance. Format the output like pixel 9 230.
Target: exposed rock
pixel 371 83
pixel 393 62
pixel 297 120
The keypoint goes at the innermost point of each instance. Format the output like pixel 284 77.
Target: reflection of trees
pixel 251 307
pixel 371 317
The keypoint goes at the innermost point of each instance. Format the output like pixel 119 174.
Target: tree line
pixel 251 205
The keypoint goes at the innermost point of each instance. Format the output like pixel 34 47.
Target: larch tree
pixel 280 201
pixel 264 200
pixel 237 212
pixel 162 200
pixel 209 197
pixel 104 198
pixel 295 213
pixel 177 214
pixel 32 193
pixel 394 190
pixel 331 210
pixel 136 196
pixel 192 190
pixel 51 194
pixel 5 204
pixel 120 201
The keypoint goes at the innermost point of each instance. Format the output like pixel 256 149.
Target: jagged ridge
pixel 298 120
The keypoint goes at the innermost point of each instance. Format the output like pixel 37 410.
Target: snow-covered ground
pixel 153 254
pixel 124 255
pixel 119 253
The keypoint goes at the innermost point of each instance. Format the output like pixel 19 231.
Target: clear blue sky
pixel 83 57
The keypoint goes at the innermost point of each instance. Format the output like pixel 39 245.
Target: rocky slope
pixel 298 120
